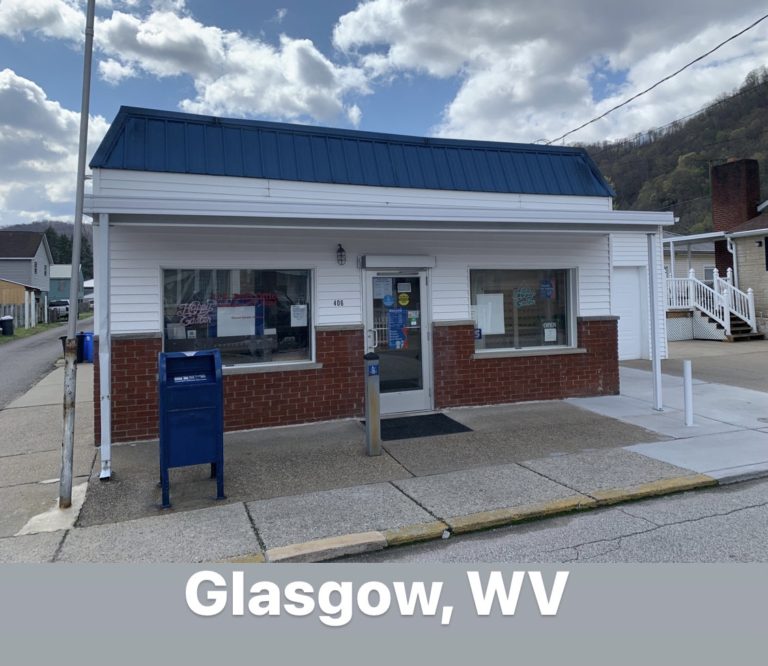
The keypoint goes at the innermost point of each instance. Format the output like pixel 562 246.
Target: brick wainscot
pixel 463 377
pixel 331 388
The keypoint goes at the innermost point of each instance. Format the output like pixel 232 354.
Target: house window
pixel 251 316
pixel 521 309
pixel 35 268
pixel 45 269
pixel 709 274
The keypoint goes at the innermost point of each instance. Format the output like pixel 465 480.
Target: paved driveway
pixel 743 364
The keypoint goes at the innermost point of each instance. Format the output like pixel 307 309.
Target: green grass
pixel 22 332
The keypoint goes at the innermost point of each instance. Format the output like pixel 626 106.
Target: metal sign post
pixel 372 406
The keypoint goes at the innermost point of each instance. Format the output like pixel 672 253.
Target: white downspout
pixel 105 346
pixel 655 351
pixel 732 249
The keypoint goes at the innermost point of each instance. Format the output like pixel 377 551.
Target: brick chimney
pixel 735 197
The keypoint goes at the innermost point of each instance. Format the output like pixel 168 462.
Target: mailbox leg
pixel 165 483
pixel 219 467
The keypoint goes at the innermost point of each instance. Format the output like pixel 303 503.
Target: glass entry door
pixel 397 328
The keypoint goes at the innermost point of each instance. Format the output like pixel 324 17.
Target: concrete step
pixel 744 337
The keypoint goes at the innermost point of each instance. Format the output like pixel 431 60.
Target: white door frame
pixel 405 401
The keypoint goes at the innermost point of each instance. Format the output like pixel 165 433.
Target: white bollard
pixel 688 392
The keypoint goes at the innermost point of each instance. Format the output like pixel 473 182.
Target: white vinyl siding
pixel 234 190
pixel 631 250
pixel 139 253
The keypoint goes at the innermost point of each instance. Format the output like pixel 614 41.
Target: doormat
pixel 424 425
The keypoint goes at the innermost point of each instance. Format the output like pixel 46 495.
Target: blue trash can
pixel 88 346
pixel 191 415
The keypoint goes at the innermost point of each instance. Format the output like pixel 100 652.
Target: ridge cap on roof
pixel 126 111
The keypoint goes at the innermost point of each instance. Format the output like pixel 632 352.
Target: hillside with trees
pixel 668 168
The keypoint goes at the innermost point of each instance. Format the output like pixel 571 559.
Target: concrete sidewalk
pixel 309 492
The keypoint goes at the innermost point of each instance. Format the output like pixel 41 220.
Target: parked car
pixel 59 309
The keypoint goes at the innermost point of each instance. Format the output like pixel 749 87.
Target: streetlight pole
pixel 70 367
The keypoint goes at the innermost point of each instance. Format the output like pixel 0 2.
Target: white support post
pixel 751 306
pixel 691 288
pixel 729 276
pixel 672 260
pixel 688 392
pixel 653 296
pixel 105 345
pixel 26 309
pixel 45 308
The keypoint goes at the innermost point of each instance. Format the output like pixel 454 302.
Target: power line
pixel 658 83
pixel 661 128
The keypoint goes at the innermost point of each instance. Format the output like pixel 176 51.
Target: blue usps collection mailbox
pixel 191 415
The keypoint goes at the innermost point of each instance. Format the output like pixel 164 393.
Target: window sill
pixel 511 353
pixel 270 367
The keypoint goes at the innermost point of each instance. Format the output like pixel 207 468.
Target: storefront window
pixel 251 316
pixel 519 309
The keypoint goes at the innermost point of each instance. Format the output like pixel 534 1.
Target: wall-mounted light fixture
pixel 759 243
pixel 341 255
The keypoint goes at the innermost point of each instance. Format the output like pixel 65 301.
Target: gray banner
pixel 608 614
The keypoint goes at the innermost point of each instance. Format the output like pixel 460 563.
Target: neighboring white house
pixel 479 272
pixel 25 258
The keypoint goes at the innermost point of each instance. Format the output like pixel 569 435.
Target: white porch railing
pixel 739 303
pixel 718 302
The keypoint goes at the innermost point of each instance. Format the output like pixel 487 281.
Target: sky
pixel 505 70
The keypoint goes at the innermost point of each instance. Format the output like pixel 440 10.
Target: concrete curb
pixel 326 549
pixel 498 517
pixel 353 544
pixel 416 533
pixel 653 489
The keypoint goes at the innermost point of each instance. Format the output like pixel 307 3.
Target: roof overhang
pixel 297 215
pixel 751 232
pixel 695 238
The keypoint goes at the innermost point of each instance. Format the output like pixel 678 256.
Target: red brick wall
pixel 134 389
pixel 250 400
pixel 735 193
pixel 462 380
pixel 337 389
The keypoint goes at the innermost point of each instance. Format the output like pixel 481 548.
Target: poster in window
pixel 397 328
pixel 298 316
pixel 239 320
pixel 489 313
pixel 525 297
pixel 382 287
pixel 547 289
pixel 550 331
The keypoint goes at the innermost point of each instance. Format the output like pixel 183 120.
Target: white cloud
pixel 113 71
pixel 280 14
pixel 525 66
pixel 355 115
pixel 38 142
pixel 232 74
pixel 61 19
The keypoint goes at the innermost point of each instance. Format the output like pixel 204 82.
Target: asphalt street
pixel 25 361
pixel 725 524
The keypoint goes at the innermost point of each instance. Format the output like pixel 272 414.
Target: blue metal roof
pixel 164 141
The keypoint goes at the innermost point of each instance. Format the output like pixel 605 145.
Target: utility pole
pixel 70 367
